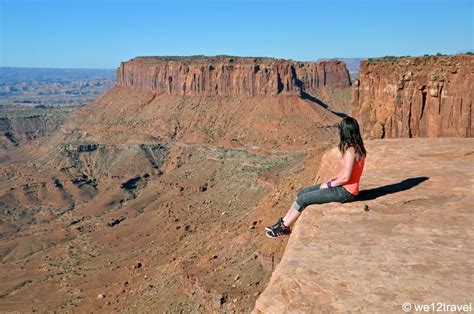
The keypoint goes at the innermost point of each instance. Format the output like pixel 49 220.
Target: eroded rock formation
pixel 415 97
pixel 18 126
pixel 230 76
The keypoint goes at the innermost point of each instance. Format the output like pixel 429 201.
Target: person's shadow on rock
pixel 371 194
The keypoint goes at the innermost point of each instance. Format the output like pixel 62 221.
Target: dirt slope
pixel 151 202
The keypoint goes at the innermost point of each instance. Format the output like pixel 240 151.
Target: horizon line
pixel 469 52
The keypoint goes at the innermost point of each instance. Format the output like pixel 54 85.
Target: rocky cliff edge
pixel 415 97
pixel 412 243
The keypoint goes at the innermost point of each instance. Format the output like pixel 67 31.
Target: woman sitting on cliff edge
pixel 342 188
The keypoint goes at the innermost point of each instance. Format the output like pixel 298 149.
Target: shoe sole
pixel 274 237
pixel 270 236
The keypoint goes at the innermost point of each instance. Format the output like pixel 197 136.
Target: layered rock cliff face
pixel 230 76
pixel 415 97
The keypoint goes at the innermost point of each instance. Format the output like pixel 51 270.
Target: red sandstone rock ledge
pixel 415 245
pixel 415 97
pixel 230 76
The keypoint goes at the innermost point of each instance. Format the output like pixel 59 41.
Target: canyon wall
pixel 415 97
pixel 231 76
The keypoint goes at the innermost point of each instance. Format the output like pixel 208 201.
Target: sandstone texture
pixel 415 97
pixel 412 243
pixel 231 76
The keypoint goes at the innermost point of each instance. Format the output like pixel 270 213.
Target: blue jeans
pixel 314 195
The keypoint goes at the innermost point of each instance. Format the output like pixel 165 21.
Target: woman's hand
pixel 323 186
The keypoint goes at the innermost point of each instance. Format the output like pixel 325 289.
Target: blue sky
pixel 101 33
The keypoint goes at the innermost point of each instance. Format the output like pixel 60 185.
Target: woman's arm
pixel 346 171
pixel 332 179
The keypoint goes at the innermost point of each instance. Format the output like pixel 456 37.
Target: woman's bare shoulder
pixel 350 151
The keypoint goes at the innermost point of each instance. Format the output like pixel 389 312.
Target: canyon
pixel 154 197
pixel 39 87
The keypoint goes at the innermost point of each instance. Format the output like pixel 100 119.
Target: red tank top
pixel 352 186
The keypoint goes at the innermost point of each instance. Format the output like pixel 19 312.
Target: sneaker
pixel 279 222
pixel 278 231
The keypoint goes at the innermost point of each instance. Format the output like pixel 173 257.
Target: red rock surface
pixel 230 76
pixel 415 97
pixel 414 244
pixel 181 185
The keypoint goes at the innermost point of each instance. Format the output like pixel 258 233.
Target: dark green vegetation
pixel 392 59
pixel 207 59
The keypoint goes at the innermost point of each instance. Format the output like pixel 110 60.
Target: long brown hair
pixel 349 133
